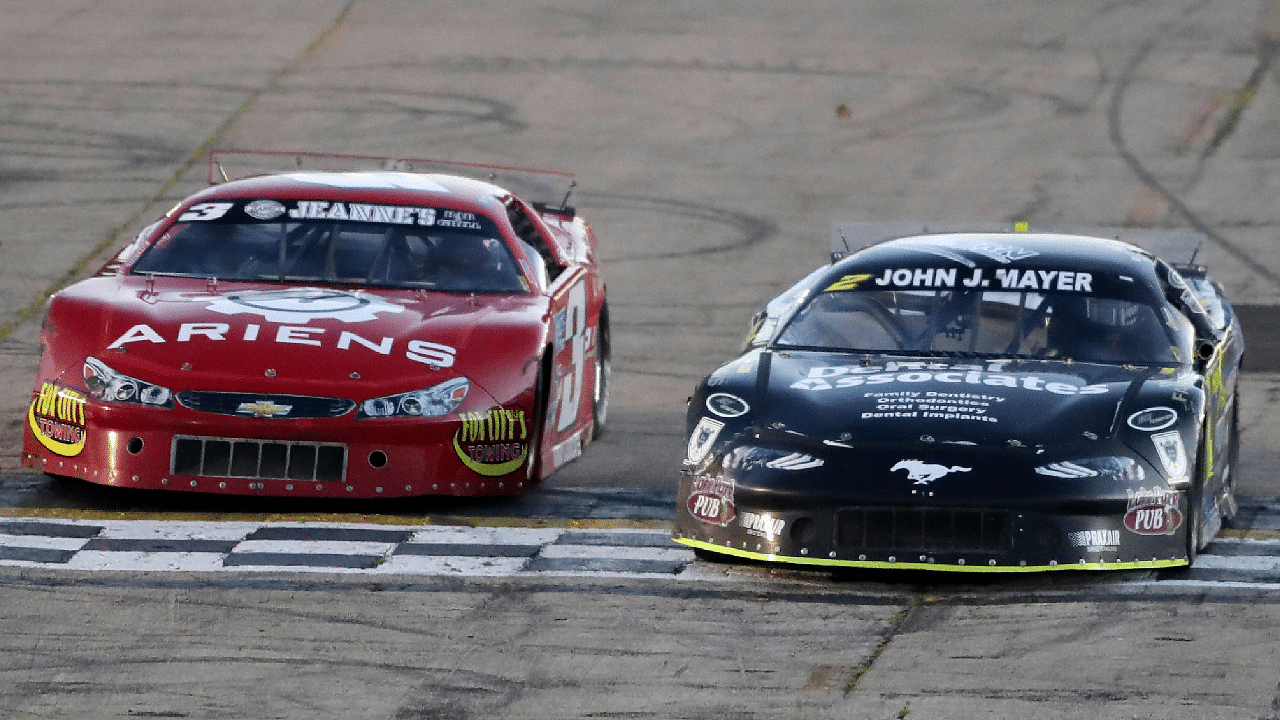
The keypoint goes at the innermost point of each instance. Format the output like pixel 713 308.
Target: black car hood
pixel 841 399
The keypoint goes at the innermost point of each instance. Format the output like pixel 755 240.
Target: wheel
pixel 1195 526
pixel 603 369
pixel 1217 500
pixel 1195 505
pixel 541 391
pixel 1228 504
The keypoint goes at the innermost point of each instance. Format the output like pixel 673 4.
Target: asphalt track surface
pixel 715 144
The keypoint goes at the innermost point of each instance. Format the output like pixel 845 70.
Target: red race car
pixel 331 334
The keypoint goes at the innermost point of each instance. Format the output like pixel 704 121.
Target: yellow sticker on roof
pixel 849 282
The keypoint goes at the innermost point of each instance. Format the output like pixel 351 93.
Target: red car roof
pixel 434 189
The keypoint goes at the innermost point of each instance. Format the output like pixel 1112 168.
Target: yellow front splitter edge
pixel 1152 564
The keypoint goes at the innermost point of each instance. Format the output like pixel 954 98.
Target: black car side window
pixel 1178 292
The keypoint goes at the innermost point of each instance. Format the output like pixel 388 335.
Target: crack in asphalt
pixel 510 64
pixel 896 623
pixel 1243 99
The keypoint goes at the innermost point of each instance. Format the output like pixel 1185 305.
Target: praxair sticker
pixel 56 417
pixel 1094 540
pixel 761 525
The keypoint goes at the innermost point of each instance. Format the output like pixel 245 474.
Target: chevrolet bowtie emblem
pixel 263 409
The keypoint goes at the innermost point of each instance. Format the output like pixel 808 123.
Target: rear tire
pixel 1228 506
pixel 541 391
pixel 603 370
pixel 1194 526
pixel 1195 502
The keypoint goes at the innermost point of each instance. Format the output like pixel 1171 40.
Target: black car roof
pixel 1080 252
pixel 1115 268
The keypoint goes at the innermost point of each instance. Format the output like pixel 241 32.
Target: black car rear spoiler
pixel 1177 246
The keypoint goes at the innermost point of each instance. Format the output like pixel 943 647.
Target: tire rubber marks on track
pixel 1153 184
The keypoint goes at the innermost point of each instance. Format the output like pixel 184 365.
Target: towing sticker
pixel 492 443
pixel 56 417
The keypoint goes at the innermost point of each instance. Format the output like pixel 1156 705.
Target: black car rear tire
pixel 1229 507
pixel 1195 502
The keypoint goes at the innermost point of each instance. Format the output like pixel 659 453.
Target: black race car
pixel 973 401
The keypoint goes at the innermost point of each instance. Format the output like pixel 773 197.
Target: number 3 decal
pixel 205 211
pixel 575 325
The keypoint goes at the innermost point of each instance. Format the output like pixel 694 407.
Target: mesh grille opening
pixel 921 529
pixel 258 459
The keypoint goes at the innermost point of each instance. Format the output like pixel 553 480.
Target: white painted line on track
pixel 145 561
pixel 1238 562
pixel 452 565
pixel 487 535
pixel 621 553
pixel 32 541
pixel 314 547
pixel 1218 584
pixel 181 530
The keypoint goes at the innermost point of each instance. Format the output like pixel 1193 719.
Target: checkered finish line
pixel 337 548
pixel 198 546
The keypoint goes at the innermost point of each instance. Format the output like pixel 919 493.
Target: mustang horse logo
pixel 924 473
